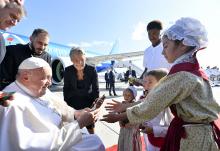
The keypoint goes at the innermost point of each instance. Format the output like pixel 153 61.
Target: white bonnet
pixel 134 91
pixel 190 31
pixel 33 63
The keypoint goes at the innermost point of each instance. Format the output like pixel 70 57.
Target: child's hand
pixel 146 129
pixel 115 106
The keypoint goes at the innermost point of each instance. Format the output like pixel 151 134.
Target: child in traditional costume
pixel 129 137
pixel 186 90
pixel 155 130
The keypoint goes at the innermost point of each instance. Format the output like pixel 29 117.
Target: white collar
pixel 187 57
pixel 24 89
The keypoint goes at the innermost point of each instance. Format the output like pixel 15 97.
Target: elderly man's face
pixel 38 81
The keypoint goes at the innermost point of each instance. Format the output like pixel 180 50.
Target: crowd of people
pixel 177 110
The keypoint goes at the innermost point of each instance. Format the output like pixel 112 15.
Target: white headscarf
pixel 190 31
pixel 134 91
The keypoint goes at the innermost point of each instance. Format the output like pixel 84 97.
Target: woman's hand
pixel 115 106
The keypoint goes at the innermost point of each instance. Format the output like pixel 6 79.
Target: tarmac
pixel 109 132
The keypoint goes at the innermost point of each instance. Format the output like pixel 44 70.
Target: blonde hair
pixel 21 9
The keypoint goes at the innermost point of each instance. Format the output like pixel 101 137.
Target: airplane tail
pixel 115 47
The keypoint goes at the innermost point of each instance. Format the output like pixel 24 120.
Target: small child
pixel 155 130
pixel 129 137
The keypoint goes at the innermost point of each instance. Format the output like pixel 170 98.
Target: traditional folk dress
pixel 129 138
pixel 41 124
pixel 160 124
pixel 195 108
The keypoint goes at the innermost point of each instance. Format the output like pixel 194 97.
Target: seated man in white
pixel 36 120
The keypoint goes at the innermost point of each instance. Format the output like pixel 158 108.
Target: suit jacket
pixel 80 93
pixel 133 74
pixel 111 77
pixel 15 54
pixel 106 76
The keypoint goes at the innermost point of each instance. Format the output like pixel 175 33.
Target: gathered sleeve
pixel 170 90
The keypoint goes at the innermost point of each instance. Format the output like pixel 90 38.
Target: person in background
pixel 186 90
pixel 130 73
pixel 38 120
pixel 112 82
pixel 81 87
pixel 153 58
pixel 10 14
pixel 129 136
pixel 107 80
pixel 15 54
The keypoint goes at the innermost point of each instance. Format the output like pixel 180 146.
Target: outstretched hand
pixel 115 106
pixel 110 118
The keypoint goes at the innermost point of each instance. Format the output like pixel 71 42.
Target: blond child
pixel 129 137
pixel 155 129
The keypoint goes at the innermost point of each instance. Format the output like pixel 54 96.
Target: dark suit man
pixel 107 80
pixel 112 82
pixel 130 73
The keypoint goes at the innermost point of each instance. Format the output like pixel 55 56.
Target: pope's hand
pixel 86 118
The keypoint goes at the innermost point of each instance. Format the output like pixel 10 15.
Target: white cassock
pixel 36 124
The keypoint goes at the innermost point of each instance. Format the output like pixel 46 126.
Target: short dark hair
pixel 157 73
pixel 155 24
pixel 38 31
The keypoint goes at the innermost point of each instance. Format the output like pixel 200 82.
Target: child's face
pixel 149 82
pixel 128 96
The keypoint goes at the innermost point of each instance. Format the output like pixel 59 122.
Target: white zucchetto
pixel 190 31
pixel 33 63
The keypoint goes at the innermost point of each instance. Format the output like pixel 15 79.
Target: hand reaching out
pixel 111 118
pixel 115 106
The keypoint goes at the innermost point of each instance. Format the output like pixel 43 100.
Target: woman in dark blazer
pixel 81 86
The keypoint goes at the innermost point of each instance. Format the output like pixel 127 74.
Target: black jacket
pixel 132 73
pixel 80 93
pixel 106 76
pixel 111 77
pixel 15 54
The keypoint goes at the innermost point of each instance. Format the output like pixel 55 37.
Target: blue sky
pixel 97 24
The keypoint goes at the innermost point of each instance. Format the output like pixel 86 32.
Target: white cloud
pixel 139 32
pixel 73 45
pixel 85 44
pixel 92 44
